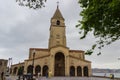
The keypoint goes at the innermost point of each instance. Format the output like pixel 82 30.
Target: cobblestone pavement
pixel 63 78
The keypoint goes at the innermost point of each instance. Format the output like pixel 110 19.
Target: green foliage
pixel 20 71
pixel 102 17
pixel 34 4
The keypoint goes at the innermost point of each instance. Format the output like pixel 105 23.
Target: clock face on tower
pixel 57 22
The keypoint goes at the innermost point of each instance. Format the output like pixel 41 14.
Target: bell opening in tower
pixel 58 22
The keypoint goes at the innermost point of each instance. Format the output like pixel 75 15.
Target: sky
pixel 22 28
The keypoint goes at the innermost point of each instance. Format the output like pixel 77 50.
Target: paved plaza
pixel 63 78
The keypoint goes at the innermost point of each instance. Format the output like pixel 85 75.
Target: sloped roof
pixel 57 14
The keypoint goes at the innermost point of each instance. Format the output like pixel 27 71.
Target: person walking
pixel 46 74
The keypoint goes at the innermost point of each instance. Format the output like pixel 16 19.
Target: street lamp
pixel 33 63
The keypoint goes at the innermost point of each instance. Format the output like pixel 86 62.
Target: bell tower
pixel 57 30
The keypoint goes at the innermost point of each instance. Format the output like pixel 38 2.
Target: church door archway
pixel 45 70
pixel 72 71
pixel 29 69
pixel 59 64
pixel 79 71
pixel 86 71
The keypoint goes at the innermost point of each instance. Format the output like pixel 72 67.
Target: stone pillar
pixel 75 71
pixel 89 70
pixel 41 70
pixel 67 66
pixel 52 63
pixel 17 70
pixel 25 67
pixel 82 71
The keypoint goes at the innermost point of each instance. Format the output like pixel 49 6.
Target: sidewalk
pixel 64 78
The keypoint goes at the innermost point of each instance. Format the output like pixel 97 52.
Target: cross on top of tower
pixel 57 4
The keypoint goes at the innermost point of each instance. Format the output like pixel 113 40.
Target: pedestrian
pixel 50 74
pixel 2 76
pixel 46 74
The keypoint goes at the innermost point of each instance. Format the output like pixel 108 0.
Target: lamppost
pixel 33 63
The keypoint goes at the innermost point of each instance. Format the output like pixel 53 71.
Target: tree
pixel 20 71
pixel 102 17
pixel 34 4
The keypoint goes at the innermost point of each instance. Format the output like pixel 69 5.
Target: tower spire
pixel 57 14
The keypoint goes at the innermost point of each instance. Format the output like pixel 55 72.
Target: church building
pixel 57 58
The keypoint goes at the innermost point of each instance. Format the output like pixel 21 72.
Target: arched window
pixel 85 71
pixel 30 69
pixel 72 71
pixel 58 22
pixel 37 69
pixel 79 71
pixel 45 70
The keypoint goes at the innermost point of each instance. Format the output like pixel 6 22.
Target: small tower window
pixel 58 22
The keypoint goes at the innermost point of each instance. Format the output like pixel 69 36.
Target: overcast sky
pixel 23 28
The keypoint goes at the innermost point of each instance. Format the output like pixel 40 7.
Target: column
pixel 75 71
pixel 52 64
pixel 82 71
pixel 41 70
pixel 67 68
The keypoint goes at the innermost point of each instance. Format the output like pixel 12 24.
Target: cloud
pixel 22 28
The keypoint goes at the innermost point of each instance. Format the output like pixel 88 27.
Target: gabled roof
pixel 57 14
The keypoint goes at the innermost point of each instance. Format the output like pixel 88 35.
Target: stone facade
pixel 58 58
pixel 3 65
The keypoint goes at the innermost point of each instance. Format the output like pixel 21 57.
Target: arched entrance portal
pixel 72 71
pixel 79 71
pixel 30 69
pixel 45 70
pixel 37 69
pixel 85 71
pixel 59 64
